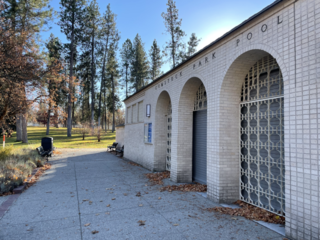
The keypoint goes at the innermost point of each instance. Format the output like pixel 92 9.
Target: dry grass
pixel 16 166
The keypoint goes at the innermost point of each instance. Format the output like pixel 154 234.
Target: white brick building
pixel 252 130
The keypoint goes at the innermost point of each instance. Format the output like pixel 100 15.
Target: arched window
pixel 200 101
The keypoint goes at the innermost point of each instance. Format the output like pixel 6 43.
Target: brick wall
pixel 289 32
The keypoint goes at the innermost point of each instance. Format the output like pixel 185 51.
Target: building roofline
pixel 209 45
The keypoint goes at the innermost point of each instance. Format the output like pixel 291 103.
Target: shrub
pixel 16 166
pixel 5 152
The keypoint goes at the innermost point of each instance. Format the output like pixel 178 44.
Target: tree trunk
pixel 56 117
pixel 126 81
pixel 92 81
pixel 105 110
pixel 113 105
pixel 69 123
pixel 18 127
pixel 24 128
pixel 102 78
pixel 48 122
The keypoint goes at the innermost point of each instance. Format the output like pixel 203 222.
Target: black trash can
pixel 47 143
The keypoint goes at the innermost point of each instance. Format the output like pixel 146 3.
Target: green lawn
pixel 60 139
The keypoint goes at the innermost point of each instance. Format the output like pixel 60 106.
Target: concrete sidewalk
pixel 91 190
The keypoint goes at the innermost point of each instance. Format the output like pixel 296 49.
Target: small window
pixel 148 132
pixel 140 111
pixel 129 118
pixel 134 113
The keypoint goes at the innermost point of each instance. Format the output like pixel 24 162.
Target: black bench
pixel 44 153
pixel 120 151
pixel 113 147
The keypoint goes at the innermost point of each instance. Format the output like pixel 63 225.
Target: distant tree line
pixel 81 81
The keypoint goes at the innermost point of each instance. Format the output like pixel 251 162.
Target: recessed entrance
pixel 199 146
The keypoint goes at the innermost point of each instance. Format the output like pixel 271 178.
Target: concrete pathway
pixel 91 190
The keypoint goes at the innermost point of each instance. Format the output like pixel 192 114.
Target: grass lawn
pixel 60 139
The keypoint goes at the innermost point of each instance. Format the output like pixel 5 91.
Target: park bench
pixel 113 147
pixel 120 151
pixel 44 153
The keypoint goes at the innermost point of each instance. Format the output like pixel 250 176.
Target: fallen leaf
pixel 140 205
pixel 88 224
pixel 85 200
pixel 101 201
pixel 30 229
pixel 94 232
pixel 141 223
pixel 125 194
pixel 113 199
pixel 90 202
pixel 97 214
pixel 159 198
pixel 138 194
pixel 175 224
pixel 107 213
pixel 156 178
pixel 108 205
pixel 48 192
pixel 234 218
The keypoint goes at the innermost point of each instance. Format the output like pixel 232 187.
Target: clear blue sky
pixel 209 19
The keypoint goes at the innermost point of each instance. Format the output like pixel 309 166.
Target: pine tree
pixel 54 47
pixel 71 19
pixel 92 22
pixel 155 60
pixel 126 56
pixel 109 35
pixel 139 65
pixel 173 24
pixel 112 79
pixel 191 47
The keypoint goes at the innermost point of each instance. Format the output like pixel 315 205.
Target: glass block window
pixel 129 115
pixel 262 170
pixel 134 113
pixel 140 111
pixel 200 100
pixel 169 128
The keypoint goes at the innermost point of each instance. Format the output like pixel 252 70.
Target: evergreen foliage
pixel 139 65
pixel 126 54
pixel 155 60
pixel 173 26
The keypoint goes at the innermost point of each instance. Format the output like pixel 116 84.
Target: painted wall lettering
pixel 279 22
pixel 214 55
pixel 200 64
pixel 264 27
pixel 238 40
pixel 206 60
pixel 249 36
pixel 194 66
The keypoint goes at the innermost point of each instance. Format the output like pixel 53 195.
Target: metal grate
pixel 262 137
pixel 169 124
pixel 200 101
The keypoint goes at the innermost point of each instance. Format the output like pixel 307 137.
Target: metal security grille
pixel 200 101
pixel 169 124
pixel 262 137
